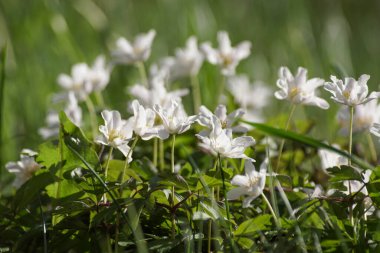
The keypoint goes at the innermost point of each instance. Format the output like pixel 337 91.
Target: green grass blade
pixel 3 57
pixel 308 141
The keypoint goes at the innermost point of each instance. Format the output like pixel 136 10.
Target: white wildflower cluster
pixel 157 110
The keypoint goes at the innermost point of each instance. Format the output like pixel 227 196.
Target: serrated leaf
pixel 251 226
pixel 343 173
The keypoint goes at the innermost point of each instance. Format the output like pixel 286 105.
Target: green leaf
pixel 116 167
pixel 343 173
pixel 29 191
pixel 252 226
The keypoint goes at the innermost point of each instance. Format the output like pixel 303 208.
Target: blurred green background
pixel 45 38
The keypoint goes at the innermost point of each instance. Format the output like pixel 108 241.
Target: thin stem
pixel 106 172
pixel 372 147
pixel 43 225
pixel 172 153
pixel 107 163
pixel 143 75
pixel 271 210
pixel 91 110
pixel 210 225
pixel 225 195
pixel 173 190
pixel 350 134
pixel 155 151
pixel 349 164
pixel 126 164
pixel 162 154
pixel 283 140
pixel 197 98
pixel 99 99
pixel 221 89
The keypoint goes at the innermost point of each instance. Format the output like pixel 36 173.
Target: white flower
pixel 174 117
pixel 251 97
pixel 157 94
pixel 99 74
pixel 330 159
pixel 138 51
pixel 219 141
pixel 143 123
pixel 351 92
pixel 187 61
pixel 115 132
pixel 250 185
pixel 365 115
pixel 73 112
pixel 226 121
pixel 226 56
pixel 247 95
pixel 298 90
pixel 77 82
pixel 23 169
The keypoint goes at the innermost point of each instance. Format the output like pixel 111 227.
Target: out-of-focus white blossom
pixel 187 61
pixel 330 159
pixel 73 112
pixel 351 92
pixel 142 122
pixel 251 97
pixel 77 83
pixel 99 74
pixel 250 185
pixel 174 117
pixel 298 89
pixel 115 132
pixel 139 51
pixel 219 141
pixel 226 121
pixel 156 94
pixel 23 169
pixel 365 115
pixel 226 56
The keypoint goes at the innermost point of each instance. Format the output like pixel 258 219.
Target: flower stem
pixel 283 140
pixel 155 151
pixel 99 99
pixel 144 78
pixel 91 110
pixel 271 210
pixel 106 172
pixel 221 89
pixel 210 224
pixel 197 99
pixel 173 190
pixel 349 163
pixel 126 164
pixel 172 153
pixel 225 195
pixel 161 154
pixel 372 148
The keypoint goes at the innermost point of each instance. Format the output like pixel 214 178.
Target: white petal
pixel 236 193
pixel 240 180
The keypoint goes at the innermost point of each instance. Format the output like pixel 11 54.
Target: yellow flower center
pixel 227 60
pixel 113 134
pixel 253 180
pixel 294 92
